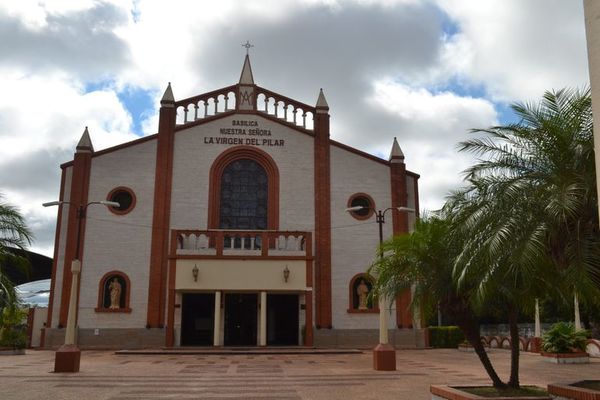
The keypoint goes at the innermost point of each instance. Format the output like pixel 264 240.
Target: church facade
pixel 232 230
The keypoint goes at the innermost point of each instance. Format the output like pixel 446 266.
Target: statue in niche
pixel 363 292
pixel 115 294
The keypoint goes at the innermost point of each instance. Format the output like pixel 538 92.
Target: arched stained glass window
pixel 244 196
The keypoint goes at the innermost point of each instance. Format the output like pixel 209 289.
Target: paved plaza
pixel 106 375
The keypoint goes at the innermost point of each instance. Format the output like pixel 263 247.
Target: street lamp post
pixel 68 356
pixel 384 354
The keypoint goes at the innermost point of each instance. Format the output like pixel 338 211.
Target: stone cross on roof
pixel 247 45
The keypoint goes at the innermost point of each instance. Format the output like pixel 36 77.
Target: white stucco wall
pixel 62 240
pixel 410 201
pixel 119 242
pixel 354 242
pixel 193 159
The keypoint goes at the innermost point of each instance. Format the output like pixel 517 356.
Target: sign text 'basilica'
pixel 244 132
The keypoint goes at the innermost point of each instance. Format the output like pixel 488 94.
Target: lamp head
pixel 355 208
pixel 52 203
pixel 406 209
pixel 110 203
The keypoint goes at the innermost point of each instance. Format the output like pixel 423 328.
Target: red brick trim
pixel 400 225
pixel 454 393
pixel 100 305
pixel 322 168
pixel 216 171
pixel 359 152
pixel 308 295
pixel 567 391
pixel 80 181
pixel 351 309
pixel 57 245
pixel 371 210
pixel 115 148
pixel 121 189
pixel 160 218
pixel 170 337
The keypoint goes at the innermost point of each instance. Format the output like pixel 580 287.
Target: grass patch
pixel 488 391
pixel 592 385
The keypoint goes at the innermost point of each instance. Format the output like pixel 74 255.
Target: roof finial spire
pixel 85 143
pixel 247 45
pixel 246 77
pixel 396 156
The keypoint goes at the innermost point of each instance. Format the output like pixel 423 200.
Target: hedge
pixel 447 337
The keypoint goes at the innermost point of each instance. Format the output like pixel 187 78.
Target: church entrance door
pixel 197 319
pixel 241 319
pixel 282 319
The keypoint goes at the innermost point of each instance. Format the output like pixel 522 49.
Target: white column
pixel 263 318
pixel 577 318
pixel 538 327
pixel 217 324
pixel 72 315
pixel 383 322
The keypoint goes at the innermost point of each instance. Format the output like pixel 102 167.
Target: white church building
pixel 232 230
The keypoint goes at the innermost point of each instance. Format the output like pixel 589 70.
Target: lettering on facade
pixel 244 132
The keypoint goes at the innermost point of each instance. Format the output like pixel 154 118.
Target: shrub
pixel 563 338
pixel 12 328
pixel 448 337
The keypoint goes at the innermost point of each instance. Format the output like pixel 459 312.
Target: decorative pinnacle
pixel 85 143
pixel 396 151
pixel 246 78
pixel 168 95
pixel 321 101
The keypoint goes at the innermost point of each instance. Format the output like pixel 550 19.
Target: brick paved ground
pixel 105 375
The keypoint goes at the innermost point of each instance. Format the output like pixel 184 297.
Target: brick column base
pixel 67 358
pixel 384 357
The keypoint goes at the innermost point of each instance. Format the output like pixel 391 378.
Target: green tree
pixel 529 212
pixel 13 234
pixel 424 260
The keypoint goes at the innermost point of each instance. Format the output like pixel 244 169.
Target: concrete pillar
pixel 263 319
pixel 383 322
pixel 538 327
pixel 72 315
pixel 217 324
pixel 577 318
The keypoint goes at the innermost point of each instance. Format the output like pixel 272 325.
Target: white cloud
pixel 41 122
pixel 432 126
pixel 517 49
pixel 380 63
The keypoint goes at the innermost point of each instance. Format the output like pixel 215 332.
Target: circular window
pixel 362 200
pixel 125 197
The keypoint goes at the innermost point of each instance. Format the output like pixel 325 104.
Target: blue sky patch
pixel 140 104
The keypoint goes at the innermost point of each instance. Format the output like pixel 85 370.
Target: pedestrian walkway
pixel 106 375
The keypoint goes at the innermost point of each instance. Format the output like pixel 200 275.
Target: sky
pixel 424 71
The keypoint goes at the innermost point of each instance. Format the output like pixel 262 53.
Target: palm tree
pixel 13 234
pixel 424 260
pixel 544 167
pixel 501 256
pixel 529 212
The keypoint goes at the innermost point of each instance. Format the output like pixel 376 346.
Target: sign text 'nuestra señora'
pixel 244 132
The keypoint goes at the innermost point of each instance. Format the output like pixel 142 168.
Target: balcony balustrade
pixel 235 243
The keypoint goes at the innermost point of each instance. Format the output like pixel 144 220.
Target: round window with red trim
pixel 361 200
pixel 125 197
